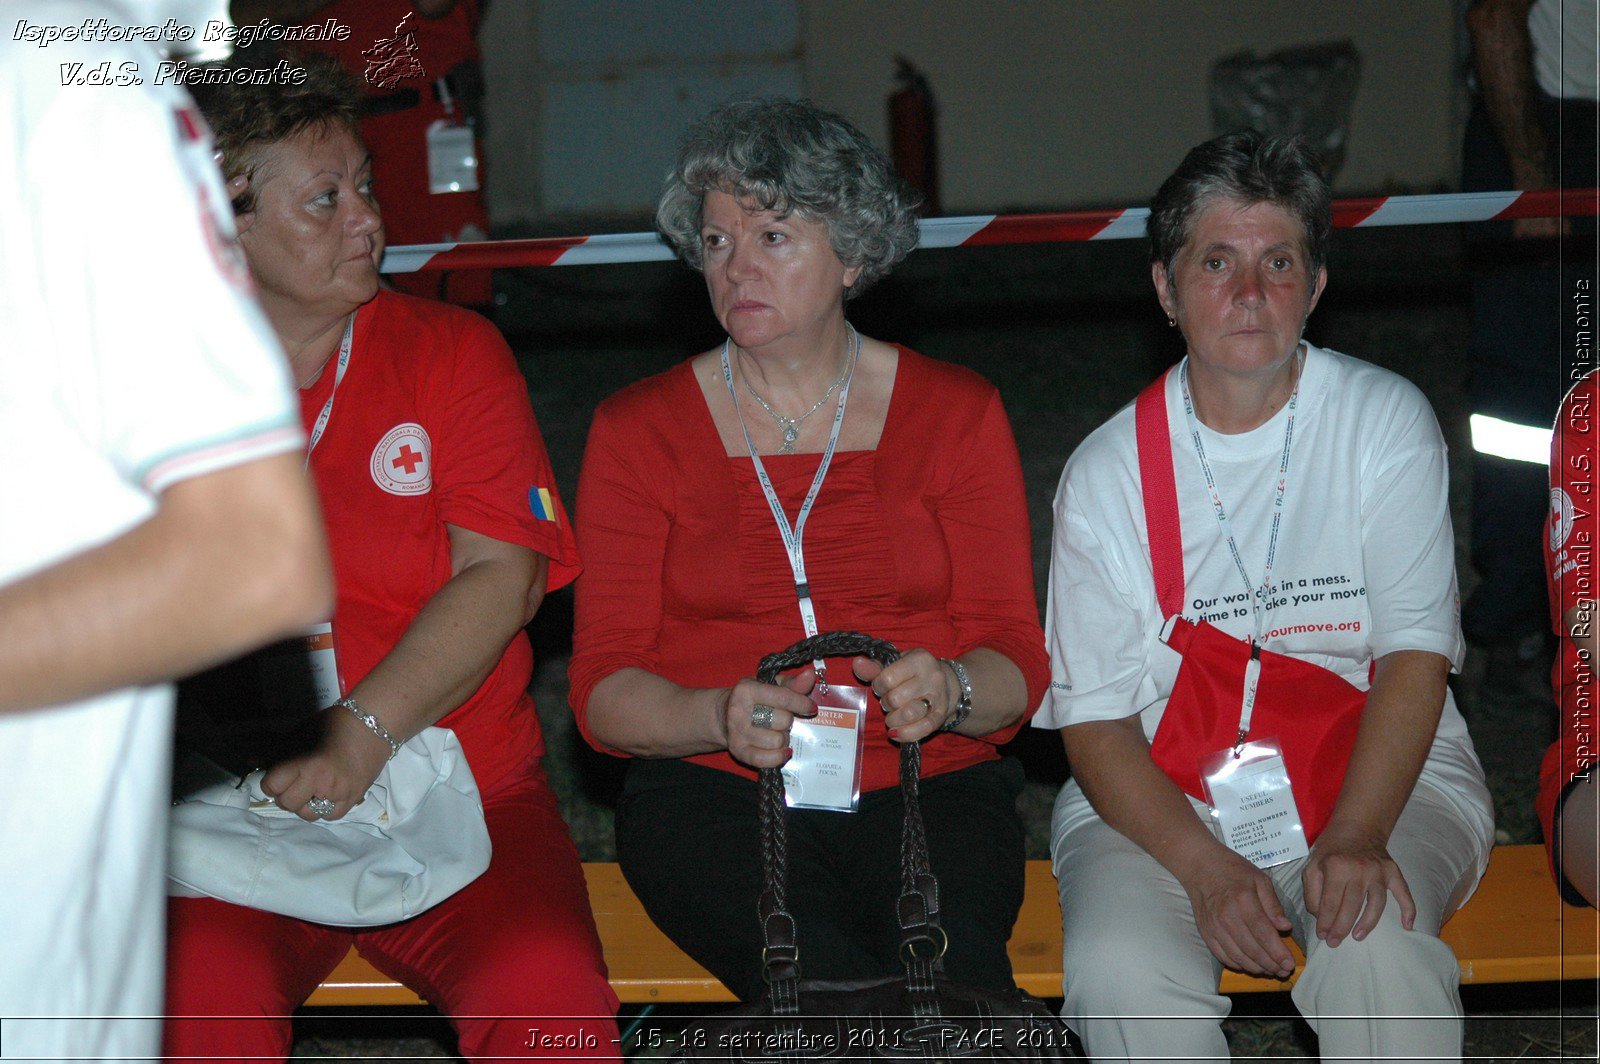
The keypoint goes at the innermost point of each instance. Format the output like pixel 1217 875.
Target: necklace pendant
pixel 791 433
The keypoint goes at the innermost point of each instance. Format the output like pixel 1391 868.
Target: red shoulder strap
pixel 1160 489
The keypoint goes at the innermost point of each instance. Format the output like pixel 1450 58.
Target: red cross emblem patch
pixel 402 463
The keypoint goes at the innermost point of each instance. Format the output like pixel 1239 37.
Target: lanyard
pixel 338 376
pixel 1252 671
pixel 794 537
pixel 1257 594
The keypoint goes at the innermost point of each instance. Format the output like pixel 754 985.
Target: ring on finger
pixel 321 806
pixel 761 716
pixel 927 707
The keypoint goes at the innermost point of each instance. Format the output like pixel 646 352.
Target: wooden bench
pixel 1516 929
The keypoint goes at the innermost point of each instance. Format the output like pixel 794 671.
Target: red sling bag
pixel 1311 711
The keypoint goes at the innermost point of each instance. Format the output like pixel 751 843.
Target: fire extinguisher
pixel 913 146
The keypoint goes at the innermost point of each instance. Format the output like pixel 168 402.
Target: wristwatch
pixel 963 708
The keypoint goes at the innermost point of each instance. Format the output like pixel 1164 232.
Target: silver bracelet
pixel 963 708
pixel 374 725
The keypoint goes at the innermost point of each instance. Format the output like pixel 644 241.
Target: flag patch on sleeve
pixel 540 503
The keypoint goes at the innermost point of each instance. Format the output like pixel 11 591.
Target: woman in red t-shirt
pixel 1568 795
pixel 445 532
pixel 902 515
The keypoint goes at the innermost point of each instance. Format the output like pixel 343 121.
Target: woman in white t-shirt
pixel 1304 563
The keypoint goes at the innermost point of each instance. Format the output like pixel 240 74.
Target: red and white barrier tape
pixel 973 230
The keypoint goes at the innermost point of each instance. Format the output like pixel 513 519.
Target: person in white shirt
pixel 157 518
pixel 1309 521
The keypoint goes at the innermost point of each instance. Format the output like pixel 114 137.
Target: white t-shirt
pixel 132 356
pixel 1565 42
pixel 1365 560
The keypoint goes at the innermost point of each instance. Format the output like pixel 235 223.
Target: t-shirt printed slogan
pixel 1293 593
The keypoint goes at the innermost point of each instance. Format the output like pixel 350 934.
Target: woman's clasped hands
pixel 918 693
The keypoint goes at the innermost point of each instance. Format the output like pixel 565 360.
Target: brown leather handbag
pixel 920 1015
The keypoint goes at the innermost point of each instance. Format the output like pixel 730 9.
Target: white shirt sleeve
pixel 1407 543
pixel 167 365
pixel 1095 622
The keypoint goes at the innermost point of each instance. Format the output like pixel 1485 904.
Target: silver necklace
pixel 791 425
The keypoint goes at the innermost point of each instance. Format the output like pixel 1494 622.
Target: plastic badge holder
pixel 825 771
pixel 1252 808
pixel 300 666
pixel 452 158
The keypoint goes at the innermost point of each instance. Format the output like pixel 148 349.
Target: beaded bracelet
pixel 374 725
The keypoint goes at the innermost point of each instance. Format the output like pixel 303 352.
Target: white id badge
pixel 825 771
pixel 1252 805
pixel 452 158
pixel 288 667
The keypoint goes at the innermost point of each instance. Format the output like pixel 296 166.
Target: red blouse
pixel 923 542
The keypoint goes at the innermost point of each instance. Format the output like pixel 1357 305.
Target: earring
pixel 1172 323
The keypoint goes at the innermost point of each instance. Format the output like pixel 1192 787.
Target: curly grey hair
pixel 792 156
pixel 1249 168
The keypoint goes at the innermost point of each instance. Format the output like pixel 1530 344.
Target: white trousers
pixel 1140 983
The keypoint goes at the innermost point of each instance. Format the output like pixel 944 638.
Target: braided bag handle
pixel 922 940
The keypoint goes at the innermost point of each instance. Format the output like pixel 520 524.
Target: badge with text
pixel 825 771
pixel 452 158
pixel 1251 804
pixel 300 665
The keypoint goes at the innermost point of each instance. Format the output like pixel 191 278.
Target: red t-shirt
pixel 1569 546
pixel 432 425
pixel 923 542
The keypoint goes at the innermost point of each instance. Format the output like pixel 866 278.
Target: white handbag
pixel 417 838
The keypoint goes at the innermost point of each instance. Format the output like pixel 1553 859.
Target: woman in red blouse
pixel 902 515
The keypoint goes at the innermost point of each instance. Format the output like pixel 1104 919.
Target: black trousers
pixel 687 841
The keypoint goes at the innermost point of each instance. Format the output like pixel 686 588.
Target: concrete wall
pixel 1077 103
pixel 1043 103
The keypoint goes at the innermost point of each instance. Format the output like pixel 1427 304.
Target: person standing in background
pixel 157 517
pixel 424 78
pixel 1533 126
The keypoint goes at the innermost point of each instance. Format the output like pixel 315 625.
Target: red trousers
pixel 513 959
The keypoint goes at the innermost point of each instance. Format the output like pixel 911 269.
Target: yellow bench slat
pixel 1515 929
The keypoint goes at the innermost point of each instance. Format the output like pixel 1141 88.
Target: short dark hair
pixel 246 117
pixel 1248 168
pixel 791 155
